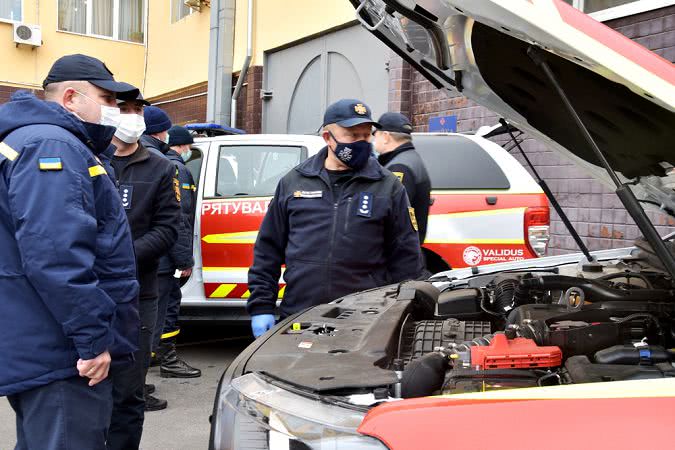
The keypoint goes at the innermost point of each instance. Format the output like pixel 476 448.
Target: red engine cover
pixel 517 353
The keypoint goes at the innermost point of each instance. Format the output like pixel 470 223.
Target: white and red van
pixel 486 208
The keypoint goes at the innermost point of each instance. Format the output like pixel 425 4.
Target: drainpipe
pixel 244 69
pixel 221 58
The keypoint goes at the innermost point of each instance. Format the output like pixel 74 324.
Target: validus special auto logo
pixel 473 256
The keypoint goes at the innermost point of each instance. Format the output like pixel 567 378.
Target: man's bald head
pixel 81 98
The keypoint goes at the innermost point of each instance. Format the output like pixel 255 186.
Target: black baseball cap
pixel 396 122
pixel 86 68
pixel 133 94
pixel 348 113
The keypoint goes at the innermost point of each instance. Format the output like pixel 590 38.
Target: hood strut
pixel 551 198
pixel 624 192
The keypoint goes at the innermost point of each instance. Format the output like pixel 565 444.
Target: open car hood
pixel 624 93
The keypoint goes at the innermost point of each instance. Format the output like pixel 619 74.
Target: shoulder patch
pixel 413 219
pixel 46 164
pixel 176 188
pixel 8 152
pixel 399 175
pixel 97 170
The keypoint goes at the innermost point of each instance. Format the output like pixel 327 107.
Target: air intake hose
pixel 594 291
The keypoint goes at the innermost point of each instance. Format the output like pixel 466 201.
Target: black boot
pixel 174 367
pixel 149 389
pixel 154 403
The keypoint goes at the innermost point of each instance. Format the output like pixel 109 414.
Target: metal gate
pixel 301 80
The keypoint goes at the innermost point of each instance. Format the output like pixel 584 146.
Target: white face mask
pixel 110 116
pixel 130 128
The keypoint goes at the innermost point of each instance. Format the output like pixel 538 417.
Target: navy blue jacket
pixel 68 286
pixel 150 194
pixel 332 247
pixel 180 255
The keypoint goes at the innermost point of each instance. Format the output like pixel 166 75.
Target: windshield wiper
pixel 623 191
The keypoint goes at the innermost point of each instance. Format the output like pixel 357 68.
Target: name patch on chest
pixel 308 194
pixel 365 206
pixel 126 192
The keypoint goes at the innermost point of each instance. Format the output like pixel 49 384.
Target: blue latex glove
pixel 261 323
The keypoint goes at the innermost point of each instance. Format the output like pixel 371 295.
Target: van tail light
pixel 537 229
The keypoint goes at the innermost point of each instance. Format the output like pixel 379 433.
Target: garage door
pixel 304 78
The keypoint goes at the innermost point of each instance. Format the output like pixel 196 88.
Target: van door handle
pixel 491 200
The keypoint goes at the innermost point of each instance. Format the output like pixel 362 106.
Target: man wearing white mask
pixel 68 289
pixel 147 185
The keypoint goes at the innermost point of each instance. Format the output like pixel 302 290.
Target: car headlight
pixel 255 414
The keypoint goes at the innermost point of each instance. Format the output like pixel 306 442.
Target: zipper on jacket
pixel 349 209
pixel 331 245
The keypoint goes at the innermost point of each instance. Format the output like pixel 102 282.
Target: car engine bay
pixel 565 324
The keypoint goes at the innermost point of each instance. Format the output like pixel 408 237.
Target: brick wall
pixel 187 105
pixel 249 104
pixel 594 210
pixel 7 91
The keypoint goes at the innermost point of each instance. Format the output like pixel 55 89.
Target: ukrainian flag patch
pixel 50 164
pixel 186 186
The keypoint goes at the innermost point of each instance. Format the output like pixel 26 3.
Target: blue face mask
pixel 186 155
pixel 354 154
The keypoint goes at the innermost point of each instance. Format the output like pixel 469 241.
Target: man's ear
pixel 68 98
pixel 326 136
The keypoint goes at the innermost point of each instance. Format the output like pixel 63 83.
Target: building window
pixel 179 11
pixel 10 10
pixel 121 20
pixel 612 9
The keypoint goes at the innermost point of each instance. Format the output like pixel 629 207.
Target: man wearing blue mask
pixel 339 221
pixel 68 289
pixel 179 259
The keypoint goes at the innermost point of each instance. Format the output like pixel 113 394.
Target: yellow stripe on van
pixel 223 291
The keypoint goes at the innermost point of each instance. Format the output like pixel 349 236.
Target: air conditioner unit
pixel 194 4
pixel 27 34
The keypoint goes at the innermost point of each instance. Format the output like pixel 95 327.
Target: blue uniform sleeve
pixel 165 222
pixel 51 200
pixel 404 256
pixel 181 252
pixel 268 256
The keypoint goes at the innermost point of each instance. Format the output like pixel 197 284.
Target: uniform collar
pixel 174 156
pixel 141 154
pixel 386 157
pixel 314 167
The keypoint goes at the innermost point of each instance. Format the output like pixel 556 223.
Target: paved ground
pixel 184 424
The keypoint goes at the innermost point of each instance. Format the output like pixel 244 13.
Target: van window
pixel 254 170
pixel 455 162
pixel 194 164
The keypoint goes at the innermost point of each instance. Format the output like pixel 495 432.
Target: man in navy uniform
pixel 179 259
pixel 394 144
pixel 147 186
pixel 339 221
pixel 68 289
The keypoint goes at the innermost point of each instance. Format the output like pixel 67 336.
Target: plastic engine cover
pixel 516 353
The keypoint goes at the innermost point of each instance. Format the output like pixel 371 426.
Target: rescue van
pixel 486 208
